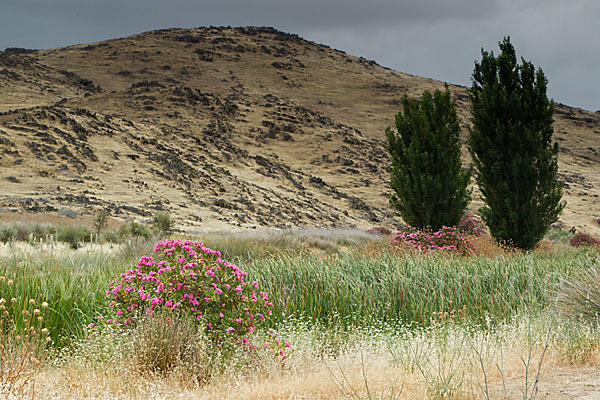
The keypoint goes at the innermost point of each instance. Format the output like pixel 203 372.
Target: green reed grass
pixel 346 288
pixel 74 287
pixel 355 289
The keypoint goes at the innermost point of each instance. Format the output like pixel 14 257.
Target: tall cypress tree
pixel 512 149
pixel 429 183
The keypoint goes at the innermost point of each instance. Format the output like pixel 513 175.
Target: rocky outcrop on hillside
pixel 225 127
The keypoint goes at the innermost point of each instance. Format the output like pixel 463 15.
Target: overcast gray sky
pixel 439 39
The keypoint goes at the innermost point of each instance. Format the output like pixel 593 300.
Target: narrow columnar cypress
pixel 428 182
pixel 515 158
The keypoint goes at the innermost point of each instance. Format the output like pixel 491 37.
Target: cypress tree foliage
pixel 429 183
pixel 512 149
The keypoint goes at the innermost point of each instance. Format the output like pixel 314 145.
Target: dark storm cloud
pixel 435 38
pixel 48 23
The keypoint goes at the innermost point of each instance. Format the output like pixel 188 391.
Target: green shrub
pixel 20 232
pixel 558 235
pixel 162 223
pixel 5 234
pixel 133 230
pixel 73 235
pixel 23 231
pixel 109 236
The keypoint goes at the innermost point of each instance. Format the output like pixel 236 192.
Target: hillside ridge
pixel 226 128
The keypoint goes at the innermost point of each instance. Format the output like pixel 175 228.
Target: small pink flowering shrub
pixel 471 224
pixel 379 230
pixel 583 239
pixel 446 239
pixel 187 277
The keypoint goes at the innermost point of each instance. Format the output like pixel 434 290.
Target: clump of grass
pixel 487 246
pixel 579 294
pixel 23 339
pixel 135 247
pixel 108 236
pixel 170 344
pixel 579 342
pixel 241 248
pixel 339 237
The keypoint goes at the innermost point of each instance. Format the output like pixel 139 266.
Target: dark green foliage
pixel 512 149
pixel 430 186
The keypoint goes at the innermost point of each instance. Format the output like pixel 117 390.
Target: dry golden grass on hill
pixel 226 128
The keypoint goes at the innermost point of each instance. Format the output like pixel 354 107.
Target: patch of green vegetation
pixel 356 289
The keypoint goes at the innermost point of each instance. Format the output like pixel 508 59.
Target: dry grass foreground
pixel 446 360
pixel 226 128
pixel 449 364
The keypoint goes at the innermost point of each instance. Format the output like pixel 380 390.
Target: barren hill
pixel 225 127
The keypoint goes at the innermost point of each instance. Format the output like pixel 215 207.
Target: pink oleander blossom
pixel 583 239
pixel 187 277
pixel 446 239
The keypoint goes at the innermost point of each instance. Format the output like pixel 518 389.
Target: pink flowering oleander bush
pixel 583 239
pixel 446 239
pixel 188 278
pixel 471 224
